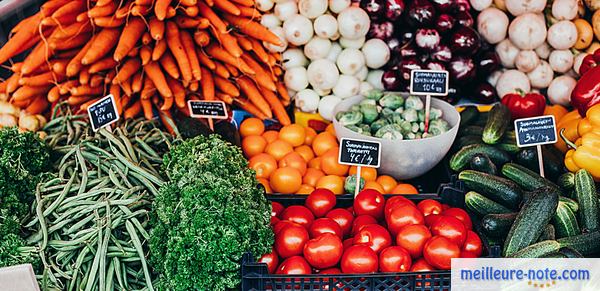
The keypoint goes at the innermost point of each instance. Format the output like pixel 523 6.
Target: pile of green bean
pixel 91 216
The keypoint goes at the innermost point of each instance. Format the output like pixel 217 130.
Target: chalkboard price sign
pixel 103 112
pixel 429 82
pixel 359 153
pixel 535 131
pixel 207 109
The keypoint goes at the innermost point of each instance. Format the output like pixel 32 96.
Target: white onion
pixel 511 81
pixel 480 4
pixel 577 62
pixel 312 8
pixel 327 105
pixel 285 9
pixel 278 31
pixel 543 51
pixel 518 7
pixel 376 52
pixel 559 91
pixel 336 6
pixel 527 31
pixel 564 9
pixel 562 35
pixel 374 78
pixel 334 52
pixel 270 21
pixel 561 61
pixel 492 24
pixel 362 73
pixel 347 86
pixel 264 5
pixel 507 52
pixel 323 74
pixel 294 57
pixel 296 78
pixel 298 30
pixel 353 22
pixel 307 100
pixel 526 61
pixel 541 76
pixel 325 26
pixel 317 48
pixel 323 92
pixel 352 43
pixel 350 61
pixel 365 88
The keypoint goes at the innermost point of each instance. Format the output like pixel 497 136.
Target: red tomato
pixel 348 242
pixel 290 240
pixel 374 236
pixel 430 206
pixel 394 259
pixel 431 219
pixel 369 202
pixel 445 206
pixel 295 265
pixel 469 255
pixel 274 220
pixel 450 228
pixel 320 202
pixel 331 271
pixel 276 209
pixel 420 265
pixel 412 238
pixel 396 200
pixel 473 244
pixel 343 217
pixel 324 251
pixel 361 221
pixel 438 252
pixel 401 215
pixel 271 259
pixel 298 214
pixel 461 214
pixel 359 259
pixel 281 224
pixel 325 225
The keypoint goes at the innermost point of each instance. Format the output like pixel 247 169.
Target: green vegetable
pixel 390 131
pixel 410 115
pixel 438 126
pixel 526 178
pixel 350 184
pixel 565 221
pixel 549 233
pixel 537 250
pixel 496 125
pixel 460 160
pixel 209 213
pixel 566 181
pixel 482 206
pixel 482 163
pixel 499 189
pixel 468 115
pixel 435 113
pixel 13 251
pixel 367 102
pixel 585 191
pixel 414 103
pixel 386 112
pixel 391 101
pixel 498 225
pixel 377 124
pixel 586 244
pixel 374 95
pixel 350 118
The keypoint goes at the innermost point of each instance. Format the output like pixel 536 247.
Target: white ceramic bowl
pixel 407 159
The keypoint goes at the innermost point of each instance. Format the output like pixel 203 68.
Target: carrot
pixel 147 108
pixel 230 43
pixel 72 30
pixel 159 49
pixel 208 85
pixel 188 45
pixel 81 17
pixel 133 110
pixel 160 9
pixel 225 98
pixel 16 67
pixel 12 83
pixel 96 81
pixel 226 87
pixel 249 12
pixel 276 106
pixel 53 94
pixel 103 2
pixel 141 10
pixel 86 90
pixel 115 90
pixel 210 3
pixel 130 67
pixel 38 105
pixel 77 100
pixel 146 38
pixel 278 72
pixel 66 86
pixel 17 42
pixel 84 77
pixel 250 108
pixel 74 42
pixel 167 104
pixel 202 38
pixel 40 54
pixel 212 17
pixel 27 92
pixel 144 2
pixel 157 28
pixel 205 60
pixel 222 55
pixel 259 50
pixel 254 95
pixel 102 43
pixel 137 81
pixel 102 65
pixel 60 21
pixel 262 77
pixel 178 91
pixel 145 54
pixel 171 12
pixel 232 70
pixel 109 22
pixel 133 53
pixel 67 54
pixel 248 3
pixel 222 71
pixel 59 66
pixel 153 72
pixel 186 22
pixel 168 123
pixel 109 76
pixel 188 2
pixel 48 8
pixel 244 42
pixel 194 86
pixel 228 7
pixel 85 105
pixel 168 63
pixel 126 86
pixel 191 11
pixel 39 80
pixel 104 10
pixel 176 47
pixel 253 29
pixel 149 89
pixel 73 7
pixel 131 34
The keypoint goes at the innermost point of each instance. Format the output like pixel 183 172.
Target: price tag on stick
pixel 536 131
pixel 359 153
pixel 208 109
pixel 103 112
pixel 429 83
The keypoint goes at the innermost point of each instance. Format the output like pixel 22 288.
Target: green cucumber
pixel 498 189
pixel 569 202
pixel 537 250
pixel 460 160
pixel 566 181
pixel 470 130
pixel 468 115
pixel 549 233
pixel 553 163
pixel 565 221
pixel 585 191
pixel 466 140
pixel 510 137
pixel 526 178
pixel 496 125
pixel 569 252
pixel 482 163
pixel 585 244
pixel 480 205
pixel 554 255
pixel 511 148
pixel 535 214
pixel 482 118
pixel 497 225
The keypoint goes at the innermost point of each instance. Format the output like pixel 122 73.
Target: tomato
pixel 431 219
pixel 450 228
pixel 396 200
pixel 351 210
pixel 473 244
pixel 421 265
pixel 394 259
pixel 276 209
pixel 361 221
pixel 331 271
pixel 324 251
pixel 374 236
pixel 469 255
pixel 325 225
pixel 412 238
pixel 295 265
pixel 290 240
pixel 461 214
pixel 271 259
pixel 320 202
pixel 401 215
pixel 369 202
pixel 280 225
pixel 445 206
pixel 359 259
pixel 429 206
pixel 438 252
pixel 343 217
pixel 298 214
pixel 348 242
pixel 274 220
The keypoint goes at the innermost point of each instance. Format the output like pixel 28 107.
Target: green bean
pixel 117 265
pixel 60 198
pixel 138 245
pixel 78 263
pixel 91 278
pixel 110 273
pixel 79 224
pixel 84 173
pixel 64 168
pixel 102 265
pixel 41 218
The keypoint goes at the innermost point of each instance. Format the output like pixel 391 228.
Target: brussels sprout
pixel 410 114
pixel 390 131
pixel 374 95
pixel 391 101
pixel 399 110
pixel 350 118
pixel 355 107
pixel 367 101
pixel 421 126
pixel 369 113
pixel 339 115
pixel 443 124
pixel 414 103
pixel 377 124
pixel 435 113
pixel 411 135
pixel 406 127
pixel 354 128
pixel 415 127
pixel 418 135
pixel 396 118
pixel 350 184
pixel 385 112
pixel 421 115
pixel 366 129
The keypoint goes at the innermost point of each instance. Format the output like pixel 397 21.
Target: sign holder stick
pixel 540 160
pixel 357 189
pixel 427 112
pixel 211 125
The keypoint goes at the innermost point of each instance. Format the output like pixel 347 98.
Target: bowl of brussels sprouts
pixel 397 120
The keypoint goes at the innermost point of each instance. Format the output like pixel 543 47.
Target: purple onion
pixel 407 65
pixel 442 53
pixel 393 9
pixel 394 44
pixel 375 8
pixel 488 62
pixel 420 13
pixel 391 80
pixel 383 30
pixel 462 5
pixel 444 6
pixel 485 93
pixel 408 50
pixel 465 41
pixel 434 65
pixel 464 18
pixel 427 39
pixel 462 69
pixel 405 36
pixel 444 23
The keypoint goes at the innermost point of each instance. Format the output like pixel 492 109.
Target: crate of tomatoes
pixel 368 242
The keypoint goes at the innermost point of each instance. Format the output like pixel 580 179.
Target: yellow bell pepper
pixel 585 152
pixel 569 122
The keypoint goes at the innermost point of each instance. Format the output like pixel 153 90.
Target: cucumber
pixel 537 250
pixel 498 189
pixel 553 163
pixel 566 181
pixel 482 118
pixel 569 252
pixel 526 178
pixel 497 225
pixel 460 160
pixel 535 214
pixel 585 244
pixel 510 137
pixel 470 130
pixel 565 221
pixel 466 140
pixel 585 191
pixel 548 234
pixel 569 202
pixel 496 125
pixel 468 115
pixel 482 163
pixel 554 255
pixel 480 205
pixel 511 148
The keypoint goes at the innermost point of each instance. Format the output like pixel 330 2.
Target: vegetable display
pixel 584 152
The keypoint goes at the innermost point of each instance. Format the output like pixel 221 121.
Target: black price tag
pixel 103 112
pixel 207 109
pixel 359 153
pixel 535 130
pixel 428 82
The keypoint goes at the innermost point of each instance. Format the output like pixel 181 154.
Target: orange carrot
pixel 132 32
pixel 38 56
pixel 103 2
pixel 230 43
pixel 101 11
pixel 59 66
pixel 194 86
pixel 222 71
pixel 85 105
pixel 171 12
pixel 159 49
pixel 153 72
pixel 250 108
pixel 157 28
pixel 65 87
pixel 254 95
pixel 228 7
pixel 176 47
pixel 48 8
pixel 115 90
pixel 130 67
pixel 103 64
pixel 109 22
pixel 133 53
pixel 77 100
pixel 73 7
pixel 145 54
pixel 17 42
pixel 212 17
pixel 38 105
pixel 146 38
pixel 125 101
pixel 126 86
pixel 147 108
pixel 67 54
pixel 169 65
pixel 96 80
pixel 72 30
pixel 133 110
pixel 253 29
pixel 109 76
pixel 208 85
pixel 205 60
pixel 86 90
pixel 204 23
pixel 102 44
pixel 244 42
pixel 262 77
pixel 167 104
pixel 160 9
pixel 259 50
pixel 186 22
pixel 248 3
pixel 137 81
pixel 190 50
pixel 74 42
pixel 27 92
pixel 144 2
pixel 168 123
pixel 149 89
pixel 16 67
pixel 61 20
pixel 248 12
pixel 283 92
pixel 232 70
pixel 189 2
pixel 53 94
pixel 84 77
pixel 276 106
pixel 191 11
pixel 222 55
pixel 226 87
pixel 202 38
pixel 178 92
pixel 40 80
pixel 140 10
pixel 225 98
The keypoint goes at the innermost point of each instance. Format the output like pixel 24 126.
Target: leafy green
pixel 210 212
pixel 14 252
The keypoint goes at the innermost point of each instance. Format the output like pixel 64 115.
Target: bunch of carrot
pixel 149 54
